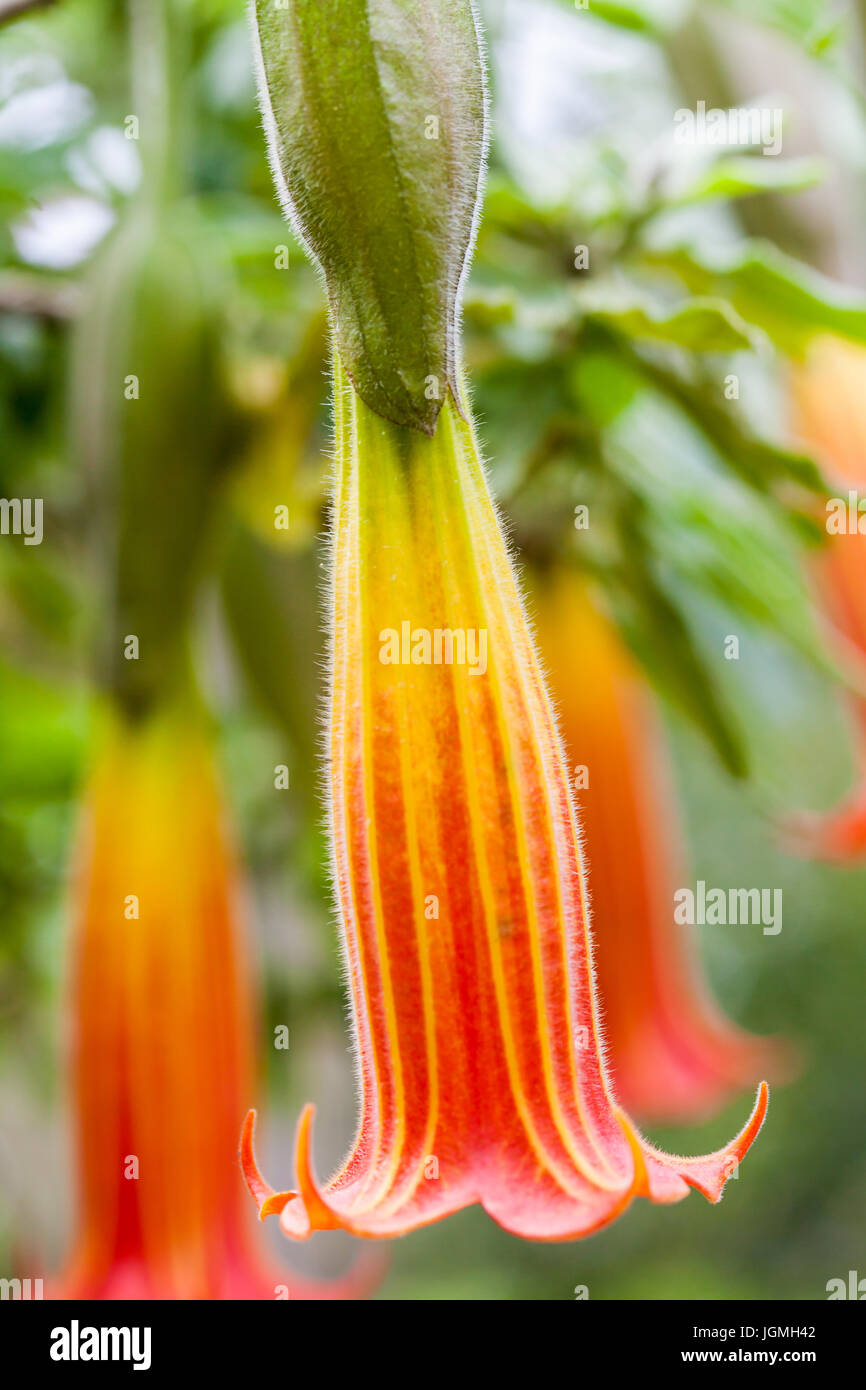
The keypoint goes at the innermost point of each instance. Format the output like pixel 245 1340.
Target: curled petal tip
pixel 319 1215
pixel 273 1205
pixel 670 1176
pixel 259 1189
pixel 268 1202
pixel 752 1128
pixel 739 1147
pixel 727 1159
pixel 369 1269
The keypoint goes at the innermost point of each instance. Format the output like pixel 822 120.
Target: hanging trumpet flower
pixel 830 418
pixel 673 1054
pixel 456 858
pixel 162 1029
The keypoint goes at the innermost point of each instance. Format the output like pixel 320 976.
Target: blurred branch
pixel 11 9
pixel 157 39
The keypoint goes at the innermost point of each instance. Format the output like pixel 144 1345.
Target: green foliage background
pixel 601 388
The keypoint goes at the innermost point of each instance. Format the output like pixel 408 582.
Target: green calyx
pixel 375 118
pixel 151 428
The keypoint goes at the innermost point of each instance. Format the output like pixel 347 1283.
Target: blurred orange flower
pixel 162 1035
pixel 829 396
pixel 673 1053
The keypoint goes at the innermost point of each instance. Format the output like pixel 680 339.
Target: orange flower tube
pixel 829 395
pixel 162 1025
pixel 673 1054
pixel 459 881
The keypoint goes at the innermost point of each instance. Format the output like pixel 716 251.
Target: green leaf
pixel 485 310
pixel 42 736
pixel 711 533
pixel 375 122
pixel 810 23
pixel 656 17
pixel 700 325
pixel 605 384
pixel 656 631
pixel 778 294
pixel 738 176
pixel 762 463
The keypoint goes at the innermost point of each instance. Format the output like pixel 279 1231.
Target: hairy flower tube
pixel 829 396
pixel 673 1054
pixel 457 866
pixel 461 893
pixel 162 1033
